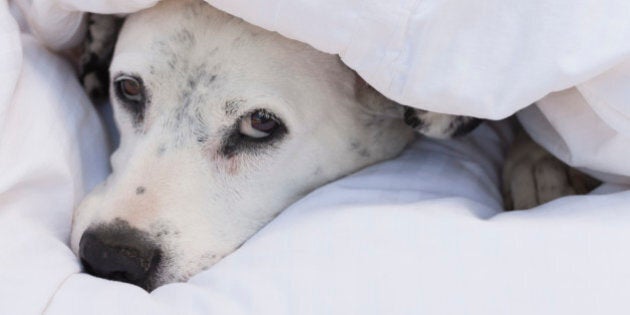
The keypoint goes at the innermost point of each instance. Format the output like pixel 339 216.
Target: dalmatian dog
pixel 223 125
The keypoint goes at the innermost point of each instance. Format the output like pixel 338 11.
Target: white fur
pixel 198 204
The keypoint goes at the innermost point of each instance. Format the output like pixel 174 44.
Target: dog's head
pixel 223 125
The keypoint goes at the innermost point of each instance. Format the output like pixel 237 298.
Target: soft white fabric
pixel 486 58
pixel 418 234
pixel 52 151
pixel 580 128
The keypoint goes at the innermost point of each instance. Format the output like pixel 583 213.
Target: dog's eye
pixel 255 131
pixel 258 124
pixel 129 88
pixel 132 95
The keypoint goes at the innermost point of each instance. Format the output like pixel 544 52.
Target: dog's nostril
pixel 115 255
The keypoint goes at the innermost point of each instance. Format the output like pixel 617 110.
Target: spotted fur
pixel 441 126
pixel 98 49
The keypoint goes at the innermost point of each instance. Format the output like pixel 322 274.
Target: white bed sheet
pixel 418 234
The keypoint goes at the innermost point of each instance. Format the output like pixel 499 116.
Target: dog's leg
pixel 430 124
pixel 437 125
pixel 96 56
pixel 532 176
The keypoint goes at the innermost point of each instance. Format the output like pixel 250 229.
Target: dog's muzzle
pixel 119 252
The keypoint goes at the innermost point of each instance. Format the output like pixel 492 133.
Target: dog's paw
pixel 440 126
pixel 97 52
pixel 532 176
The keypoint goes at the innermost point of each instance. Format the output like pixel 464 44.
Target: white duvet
pixel 420 234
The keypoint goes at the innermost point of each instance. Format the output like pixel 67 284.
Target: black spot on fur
pixel 356 147
pixel 187 120
pixel 200 76
pixel 199 127
pixel 94 64
pixel 185 38
pixel 463 125
pixel 171 64
pixel 202 139
pixel 162 229
pixel 231 107
pixel 458 125
pixel 412 119
pixel 140 190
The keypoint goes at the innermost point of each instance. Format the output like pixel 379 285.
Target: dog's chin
pixel 154 283
pixel 165 275
pixel 160 280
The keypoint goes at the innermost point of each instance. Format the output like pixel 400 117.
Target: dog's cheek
pixel 217 161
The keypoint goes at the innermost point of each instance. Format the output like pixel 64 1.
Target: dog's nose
pixel 119 253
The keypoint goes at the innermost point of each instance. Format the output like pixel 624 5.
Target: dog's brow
pixel 231 107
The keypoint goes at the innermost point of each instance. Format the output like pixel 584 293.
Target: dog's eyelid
pixel 121 77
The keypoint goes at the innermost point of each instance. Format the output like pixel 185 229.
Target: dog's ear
pixel 97 53
pixel 430 124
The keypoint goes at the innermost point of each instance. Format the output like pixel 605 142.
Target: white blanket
pixel 418 234
pixel 487 58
